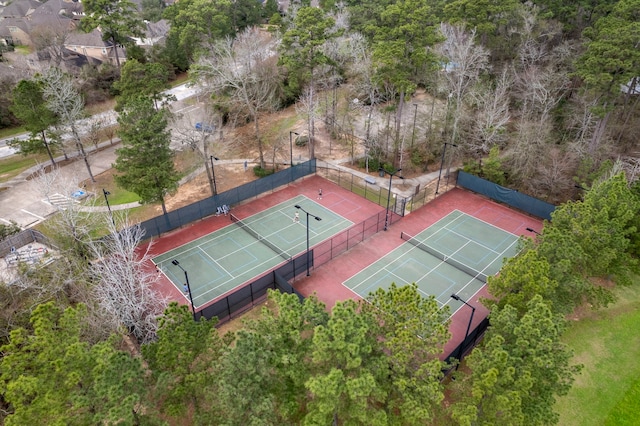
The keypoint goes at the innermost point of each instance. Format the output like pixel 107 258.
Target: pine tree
pixel 145 161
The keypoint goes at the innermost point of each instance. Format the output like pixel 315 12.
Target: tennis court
pixel 454 255
pixel 229 257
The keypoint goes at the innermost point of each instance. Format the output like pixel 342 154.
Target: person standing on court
pixel 296 217
pixel 185 288
pixel 320 194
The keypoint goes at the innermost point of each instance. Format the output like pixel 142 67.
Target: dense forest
pixel 538 96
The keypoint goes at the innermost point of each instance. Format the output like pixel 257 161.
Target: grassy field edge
pixel 607 343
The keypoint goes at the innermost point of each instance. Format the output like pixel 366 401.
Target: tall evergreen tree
pixel 412 332
pixel 401 51
pixel 199 23
pixel 145 161
pixel 184 362
pixel 518 371
pixel 148 79
pixel 30 107
pixel 303 56
pixel 52 376
pixel 612 58
pixel 591 238
pixel 269 364
pixel 118 21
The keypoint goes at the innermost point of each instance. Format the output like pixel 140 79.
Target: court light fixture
pixel 186 277
pixel 466 334
pixel 105 192
pixel 391 175
pixel 316 218
pixel 213 174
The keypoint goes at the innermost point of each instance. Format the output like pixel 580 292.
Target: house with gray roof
pixel 33 23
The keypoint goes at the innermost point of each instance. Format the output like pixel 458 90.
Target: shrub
pixel 8 230
pixel 302 140
pixel 260 172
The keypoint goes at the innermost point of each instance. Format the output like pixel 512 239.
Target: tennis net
pixel 259 237
pixel 446 259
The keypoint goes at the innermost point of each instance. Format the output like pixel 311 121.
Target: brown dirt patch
pixel 229 176
pixel 237 323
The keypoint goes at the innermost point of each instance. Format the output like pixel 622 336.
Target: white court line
pixel 214 261
pixel 8 222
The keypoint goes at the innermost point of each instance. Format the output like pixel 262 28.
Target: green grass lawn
pixel 116 196
pixel 7 132
pixel 607 343
pixel 13 165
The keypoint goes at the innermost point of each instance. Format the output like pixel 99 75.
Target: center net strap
pixel 446 259
pixel 259 237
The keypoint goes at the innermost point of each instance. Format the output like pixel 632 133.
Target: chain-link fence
pixel 367 187
pixel 207 207
pixel 245 297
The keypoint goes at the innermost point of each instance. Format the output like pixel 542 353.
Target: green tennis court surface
pixel 229 257
pixel 454 255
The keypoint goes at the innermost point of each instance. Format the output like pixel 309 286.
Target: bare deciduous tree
pixel 308 107
pixel 64 99
pixel 73 228
pixel 198 140
pixel 631 166
pixel 364 82
pixel 492 117
pixel 550 182
pixel 540 90
pixel 527 149
pixel 123 287
pixel 94 128
pixel 465 61
pixel 243 73
pixel 51 39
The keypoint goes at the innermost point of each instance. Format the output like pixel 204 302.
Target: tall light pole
pixel 105 192
pixel 291 133
pixel 415 114
pixel 316 218
pixel 466 334
pixel 213 175
pixel 391 175
pixel 444 150
pixel 186 277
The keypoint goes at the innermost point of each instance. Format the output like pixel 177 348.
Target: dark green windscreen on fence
pixel 507 196
pixel 201 209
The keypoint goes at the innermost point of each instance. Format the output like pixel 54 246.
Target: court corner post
pixel 391 175
pixel 466 334
pixel 316 218
pixel 186 277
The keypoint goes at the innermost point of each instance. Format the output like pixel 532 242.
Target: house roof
pixel 92 39
pixel 20 8
pixel 69 9
pixel 7 23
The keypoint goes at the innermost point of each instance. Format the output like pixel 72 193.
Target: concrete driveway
pixel 27 202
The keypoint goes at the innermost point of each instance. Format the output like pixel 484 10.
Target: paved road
pixel 27 202
pixel 181 92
